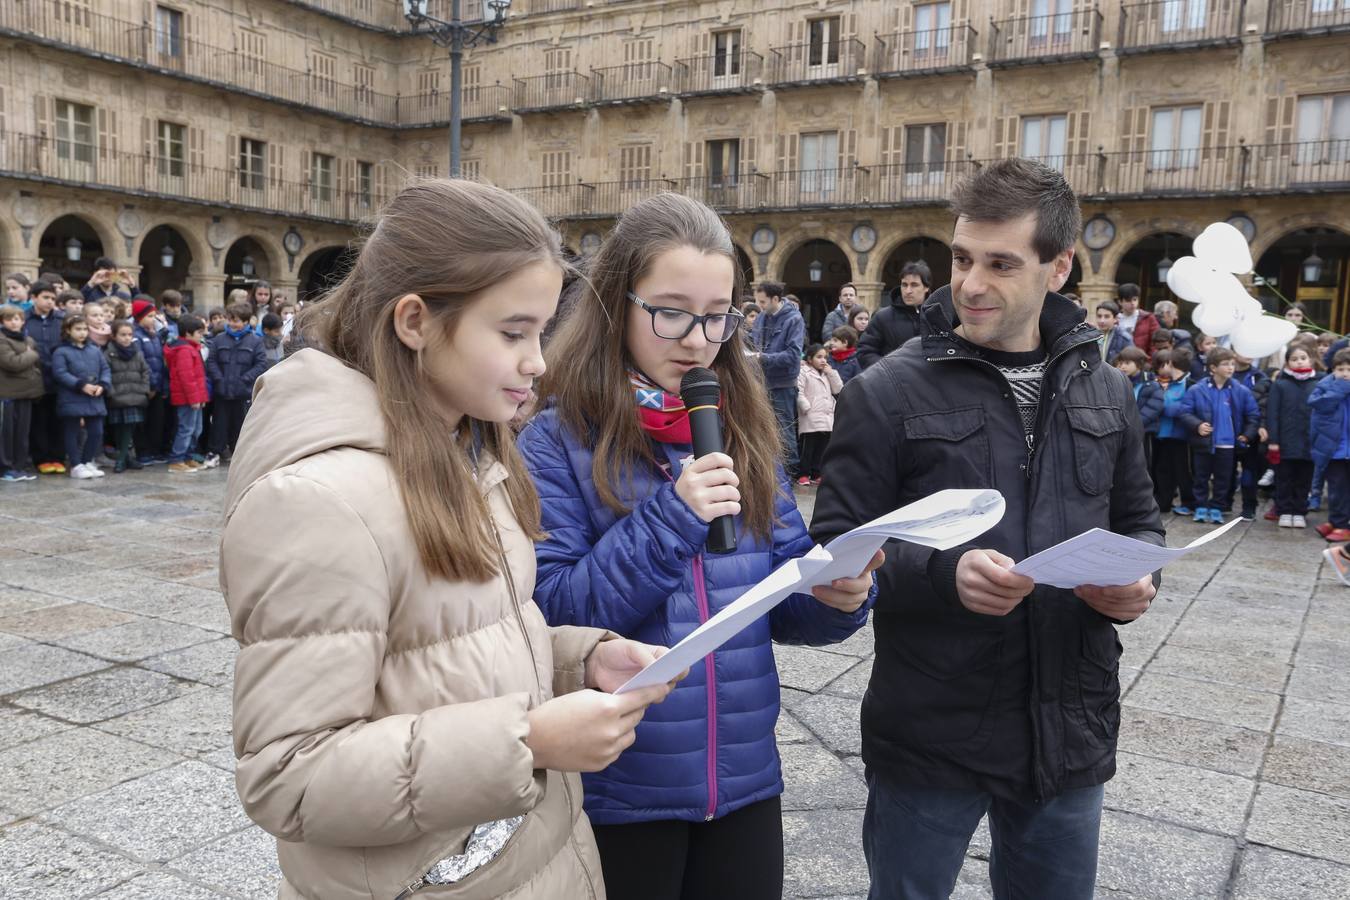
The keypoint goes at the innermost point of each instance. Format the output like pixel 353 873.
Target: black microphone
pixel 701 392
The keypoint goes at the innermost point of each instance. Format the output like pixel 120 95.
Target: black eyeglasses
pixel 674 324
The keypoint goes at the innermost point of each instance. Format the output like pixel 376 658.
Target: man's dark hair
pixel 770 288
pixel 920 268
pixel 848 284
pixel 1011 188
pixel 1128 291
pixel 189 324
pixel 846 334
pixel 750 306
pixel 104 262
pixel 1178 358
pixel 65 296
pixel 1135 355
pixel 1223 354
pixel 40 287
pixel 1163 336
pixel 1110 306
pixel 271 322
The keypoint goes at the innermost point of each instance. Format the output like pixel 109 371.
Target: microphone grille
pixel 700 387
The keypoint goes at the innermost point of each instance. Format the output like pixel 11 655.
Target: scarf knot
pixel 660 413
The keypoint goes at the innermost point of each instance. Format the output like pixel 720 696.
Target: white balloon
pixel 1189 279
pixel 1223 247
pixel 1260 336
pixel 1216 318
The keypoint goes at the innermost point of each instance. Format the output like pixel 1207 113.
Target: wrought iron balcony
pixel 557 91
pixel 1178 24
pixel 827 61
pixel 907 184
pixel 1039 39
pixel 1293 17
pixel 724 73
pixel 86 166
pixel 638 82
pixel 548 6
pixel 918 52
pixel 372 13
pixel 479 104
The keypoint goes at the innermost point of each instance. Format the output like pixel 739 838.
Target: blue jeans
pixel 78 453
pixel 915 840
pixel 785 409
pixel 185 437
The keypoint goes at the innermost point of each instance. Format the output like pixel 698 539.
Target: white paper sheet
pixel 1105 559
pixel 940 521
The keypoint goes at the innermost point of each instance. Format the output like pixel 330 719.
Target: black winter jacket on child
pixel 235 361
pixel 130 377
pixel 1289 417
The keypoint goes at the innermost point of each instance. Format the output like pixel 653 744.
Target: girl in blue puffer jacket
pixel 692 808
pixel 82 378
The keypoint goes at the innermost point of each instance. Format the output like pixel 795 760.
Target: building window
pixel 637 58
pixel 635 165
pixel 724 162
pixel 169 147
pixel 253 50
pixel 168 32
pixel 1051 21
pixel 557 65
pixel 428 87
pixel 470 169
pixel 1183 15
pixel 823 49
pixel 1175 141
pixel 321 177
pixel 819 175
pixel 932 29
pixel 726 53
pixel 322 74
pixel 1323 128
pixel 72 12
pixel 557 167
pixel 364 178
pixel 74 132
pixel 252 157
pixel 363 77
pixel 925 153
pixel 427 170
pixel 473 81
pixel 1045 138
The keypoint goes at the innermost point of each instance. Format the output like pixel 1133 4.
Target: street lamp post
pixel 456 35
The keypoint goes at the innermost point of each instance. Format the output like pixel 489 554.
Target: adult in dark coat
pixel 895 324
pixel 990 693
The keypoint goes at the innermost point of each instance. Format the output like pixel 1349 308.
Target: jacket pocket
pixel 1096 434
pixel 1099 679
pixel 950 447
pixel 947 681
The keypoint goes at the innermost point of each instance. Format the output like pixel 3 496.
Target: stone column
pixel 28 265
pixel 869 294
pixel 207 291
pixel 1094 292
pixel 286 288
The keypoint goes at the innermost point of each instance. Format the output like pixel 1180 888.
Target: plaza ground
pixel 116 769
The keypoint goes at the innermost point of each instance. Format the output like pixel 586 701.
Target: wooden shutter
pixel 232 160
pixel 1280 122
pixel 749 154
pixel 693 159
pixel 797 38
pixel 956 142
pixel 196 156
pixel 107 133
pixel 892 145
pixel 42 115
pixel 1134 130
pixel 2 112
pixel 276 164
pixel 189 34
pixel 306 168
pixel 1216 122
pixel 1005 137
pixel 1077 142
pixel 848 148
pixel 787 152
pixel 701 44
pixel 148 137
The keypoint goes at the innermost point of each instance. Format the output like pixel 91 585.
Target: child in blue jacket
pixel 1171 447
pixel 692 808
pixel 1222 418
pixel 1330 432
pixel 83 378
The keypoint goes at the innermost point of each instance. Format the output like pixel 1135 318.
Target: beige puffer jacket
pixel 379 715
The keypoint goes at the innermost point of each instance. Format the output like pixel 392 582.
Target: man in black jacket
pixel 893 325
pixel 990 693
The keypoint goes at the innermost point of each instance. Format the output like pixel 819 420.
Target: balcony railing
pixel 375 13
pixel 834 60
pixel 548 6
pixel 638 81
pixel 725 73
pixel 479 104
pixel 1293 16
pixel 1311 166
pixel 916 183
pixel 556 91
pixel 905 52
pixel 87 166
pixel 1046 38
pixel 1179 23
pixel 728 192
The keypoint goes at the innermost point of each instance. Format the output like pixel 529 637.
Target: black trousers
pixel 46 438
pixel 227 417
pixel 1253 465
pixel 157 430
pixel 1172 473
pixel 1218 466
pixel 813 452
pixel 16 418
pixel 1293 481
pixel 1338 492
pixel 736 857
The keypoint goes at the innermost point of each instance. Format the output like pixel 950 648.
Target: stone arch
pixel 328 259
pixel 890 278
pixel 154 277
pixel 86 223
pixel 744 262
pixel 196 243
pixel 276 256
pixel 817 298
pixel 1128 237
pixel 108 236
pixel 1270 235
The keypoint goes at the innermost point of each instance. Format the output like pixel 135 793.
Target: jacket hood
pixel 306 405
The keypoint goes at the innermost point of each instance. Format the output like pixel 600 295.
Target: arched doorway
pixel 1323 252
pixel 69 246
pixel 246 263
pixel 815 272
pixel 164 258
pixel 747 269
pixel 325 268
pixel 1139 265
pixel 930 250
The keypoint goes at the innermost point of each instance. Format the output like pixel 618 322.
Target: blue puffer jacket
pixel 72 368
pixel 1330 430
pixel 46 333
pixel 1148 396
pixel 1202 401
pixel 780 338
pixel 1170 426
pixel 643 575
pixel 153 351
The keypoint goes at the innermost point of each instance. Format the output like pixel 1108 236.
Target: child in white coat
pixel 817 385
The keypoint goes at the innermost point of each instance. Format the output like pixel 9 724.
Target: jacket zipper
pixel 701 594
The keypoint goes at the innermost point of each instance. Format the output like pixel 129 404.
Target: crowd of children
pixel 106 376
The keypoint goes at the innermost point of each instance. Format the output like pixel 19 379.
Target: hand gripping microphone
pixel 701 392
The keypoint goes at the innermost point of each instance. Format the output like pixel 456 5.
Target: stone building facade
pixel 828 133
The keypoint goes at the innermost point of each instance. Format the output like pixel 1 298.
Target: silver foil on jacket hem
pixel 485 843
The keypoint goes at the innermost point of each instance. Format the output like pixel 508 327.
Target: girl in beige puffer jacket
pixel 404 719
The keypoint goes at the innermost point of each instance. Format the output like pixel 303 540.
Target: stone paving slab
pixel 1301 821
pixel 1274 875
pixel 102 695
pixel 42 863
pixel 70 764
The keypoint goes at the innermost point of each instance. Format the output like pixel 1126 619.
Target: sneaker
pixel 194 465
pixel 47 468
pixel 27 476
pixel 1216 517
pixel 119 467
pixel 803 481
pixel 180 468
pixel 1181 510
pixel 815 482
pixel 1338 535
pixel 1247 515
pixel 1338 563
pixel 12 476
pixel 211 461
pixel 1201 515
pixel 1314 503
pixel 1286 521
pixel 94 471
pixel 1300 522
pixel 1267 478
pixel 1324 529
pixel 81 472
pixel 135 464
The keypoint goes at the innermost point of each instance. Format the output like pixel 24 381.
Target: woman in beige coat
pixel 405 721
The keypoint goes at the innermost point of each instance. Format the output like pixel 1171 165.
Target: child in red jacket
pixel 187 387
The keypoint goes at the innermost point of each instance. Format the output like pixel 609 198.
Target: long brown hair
pixel 588 361
pixel 444 241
